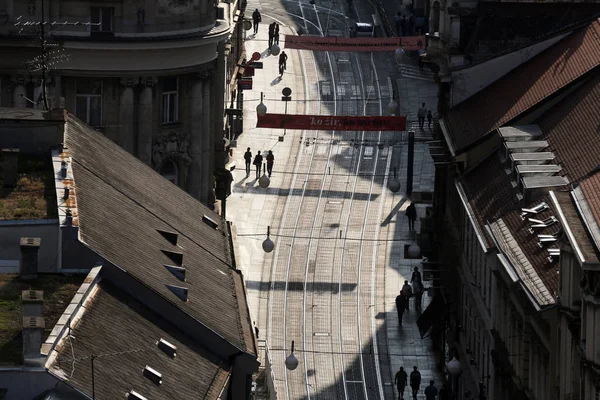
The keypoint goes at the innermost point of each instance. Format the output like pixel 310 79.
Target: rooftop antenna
pixel 46 59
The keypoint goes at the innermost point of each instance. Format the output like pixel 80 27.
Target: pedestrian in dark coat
pixel 271 34
pixel 256 19
pixel 403 25
pixel 401 302
pixel 411 214
pixel 429 119
pixel 270 161
pixel 401 381
pixel 415 382
pixel 398 22
pixel 407 292
pixel 282 62
pixel 417 283
pixel 276 33
pixel 444 393
pixel 258 163
pixel 248 160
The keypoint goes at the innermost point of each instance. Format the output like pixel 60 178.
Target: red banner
pixel 333 43
pixel 331 123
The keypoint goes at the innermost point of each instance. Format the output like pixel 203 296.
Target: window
pixel 170 100
pixel 102 16
pixel 169 171
pixel 88 105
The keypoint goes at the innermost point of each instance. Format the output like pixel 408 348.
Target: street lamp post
pixel 394 183
pixel 268 246
pixel 410 161
pixel 454 368
pixel 287 96
pixel 291 362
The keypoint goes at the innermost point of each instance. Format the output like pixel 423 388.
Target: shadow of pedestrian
pixel 240 183
pixel 394 211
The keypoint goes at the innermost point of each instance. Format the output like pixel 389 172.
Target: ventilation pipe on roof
pixel 63 169
pixel 133 395
pixel 29 263
pixel 10 167
pixel 153 375
pixel 168 348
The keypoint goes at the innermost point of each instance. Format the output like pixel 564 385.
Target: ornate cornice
pixel 129 81
pixel 148 81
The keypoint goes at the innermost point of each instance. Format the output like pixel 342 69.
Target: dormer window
pixel 103 18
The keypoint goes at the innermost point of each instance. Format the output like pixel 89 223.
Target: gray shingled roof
pixel 122 203
pixel 115 322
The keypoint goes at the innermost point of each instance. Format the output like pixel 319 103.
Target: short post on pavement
pixel 287 96
pixel 410 161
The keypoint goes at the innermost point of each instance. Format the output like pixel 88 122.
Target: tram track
pixel 303 261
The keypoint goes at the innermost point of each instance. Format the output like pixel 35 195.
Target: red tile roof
pixel 524 87
pixel 591 191
pixel 572 131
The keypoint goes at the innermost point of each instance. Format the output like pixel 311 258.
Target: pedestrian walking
pixel 407 292
pixel 270 160
pixel 431 391
pixel 421 115
pixel 444 393
pixel 415 382
pixel 398 22
pixel 271 34
pixel 411 214
pixel 403 25
pixel 256 19
pixel 248 160
pixel 258 163
pixel 401 380
pixel 282 62
pixel 411 24
pixel 417 283
pixel 401 302
pixel 276 33
pixel 429 119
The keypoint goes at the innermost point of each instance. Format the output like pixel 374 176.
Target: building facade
pixel 151 76
pixel 579 305
pixel 510 146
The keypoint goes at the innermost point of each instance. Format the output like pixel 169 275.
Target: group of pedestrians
pixel 273 34
pixel 404 26
pixel 422 114
pixel 431 391
pixel 413 289
pixel 258 162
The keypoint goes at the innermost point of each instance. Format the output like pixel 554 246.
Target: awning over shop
pixel 433 313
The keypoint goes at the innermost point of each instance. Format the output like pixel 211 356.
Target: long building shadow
pixel 320 287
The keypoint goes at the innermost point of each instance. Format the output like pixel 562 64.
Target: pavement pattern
pixel 339 233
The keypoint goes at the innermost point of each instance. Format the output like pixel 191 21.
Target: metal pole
pixel 284 129
pixel 410 160
pixel 93 382
pixel 43 43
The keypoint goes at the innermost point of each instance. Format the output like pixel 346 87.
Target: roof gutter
pixel 586 215
pixel 514 276
pixel 567 228
pixel 471 215
pixel 446 133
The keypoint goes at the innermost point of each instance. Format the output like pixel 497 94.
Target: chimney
pixel 10 167
pixel 28 267
pixel 32 302
pixel 33 332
